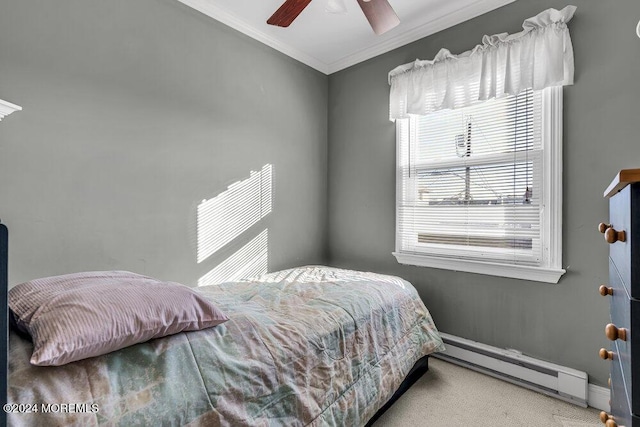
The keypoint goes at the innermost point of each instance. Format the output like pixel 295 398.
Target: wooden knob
pixel 602 227
pixel 605 290
pixel 611 423
pixel 611 235
pixel 605 354
pixel 614 333
pixel 604 417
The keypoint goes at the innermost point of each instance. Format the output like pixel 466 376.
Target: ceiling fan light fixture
pixel 336 6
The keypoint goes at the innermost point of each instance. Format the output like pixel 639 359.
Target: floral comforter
pixel 307 346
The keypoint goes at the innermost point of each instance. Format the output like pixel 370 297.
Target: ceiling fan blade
pixel 288 12
pixel 380 15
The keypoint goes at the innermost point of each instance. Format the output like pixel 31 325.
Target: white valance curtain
pixel 538 57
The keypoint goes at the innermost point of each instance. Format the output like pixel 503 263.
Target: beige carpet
pixel 449 395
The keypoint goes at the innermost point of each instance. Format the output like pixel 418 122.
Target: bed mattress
pixel 306 346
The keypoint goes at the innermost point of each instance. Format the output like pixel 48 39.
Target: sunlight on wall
pixel 251 260
pixel 226 216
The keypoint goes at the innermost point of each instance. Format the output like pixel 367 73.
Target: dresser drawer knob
pixel 611 235
pixel 602 227
pixel 605 290
pixel 614 333
pixel 604 417
pixel 605 354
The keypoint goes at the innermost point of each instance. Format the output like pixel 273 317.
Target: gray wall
pixel 562 323
pixel 134 112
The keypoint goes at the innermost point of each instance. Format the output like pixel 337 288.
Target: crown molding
pixel 7 108
pixel 234 22
pixel 449 19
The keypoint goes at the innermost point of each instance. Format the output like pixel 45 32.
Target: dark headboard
pixel 4 319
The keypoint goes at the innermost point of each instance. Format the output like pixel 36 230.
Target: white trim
pixel 552 178
pixel 442 23
pixel 536 274
pixel 7 108
pixel 234 22
pixel 599 397
pixel 400 124
pixel 465 13
pixel 512 366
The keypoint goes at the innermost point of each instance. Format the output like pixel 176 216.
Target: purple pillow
pixel 81 315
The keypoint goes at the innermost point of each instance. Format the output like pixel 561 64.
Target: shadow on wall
pixel 224 219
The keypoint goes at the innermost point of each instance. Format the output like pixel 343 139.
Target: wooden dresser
pixel 622 233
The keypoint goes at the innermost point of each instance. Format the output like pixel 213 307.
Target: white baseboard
pixel 558 381
pixel 599 398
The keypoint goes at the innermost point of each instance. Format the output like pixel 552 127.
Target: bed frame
pixel 420 367
pixel 418 370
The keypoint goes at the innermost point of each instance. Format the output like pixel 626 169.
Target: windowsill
pixel 537 274
pixel 7 108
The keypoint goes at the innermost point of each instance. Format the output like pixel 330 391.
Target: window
pixel 479 188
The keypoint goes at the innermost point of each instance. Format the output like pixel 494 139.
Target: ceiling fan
pixel 379 13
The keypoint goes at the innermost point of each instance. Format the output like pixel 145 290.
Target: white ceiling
pixel 330 42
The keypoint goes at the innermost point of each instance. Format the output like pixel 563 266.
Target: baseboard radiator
pixel 509 365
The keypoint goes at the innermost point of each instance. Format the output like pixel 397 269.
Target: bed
pixel 307 346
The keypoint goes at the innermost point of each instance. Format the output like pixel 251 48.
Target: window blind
pixel 470 181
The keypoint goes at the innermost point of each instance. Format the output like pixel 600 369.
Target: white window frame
pixel 551 269
pixel 7 108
